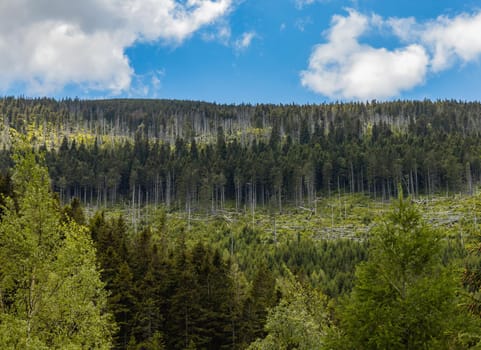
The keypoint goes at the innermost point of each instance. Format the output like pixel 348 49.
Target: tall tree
pixel 405 297
pixel 298 321
pixel 261 298
pixel 50 290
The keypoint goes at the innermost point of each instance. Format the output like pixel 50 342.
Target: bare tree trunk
pixel 362 181
pixel 212 199
pixel 139 199
pixel 188 212
pixel 133 208
pixel 222 197
pixel 156 190
pixel 352 178
pixel 147 206
pixel 168 190
pixel 279 195
pixel 429 184
pixel 275 230
pixel 237 195
pixel 411 182
pixel 469 179
pixel 417 182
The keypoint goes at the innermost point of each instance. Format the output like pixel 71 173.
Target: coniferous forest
pixel 192 154
pixel 163 224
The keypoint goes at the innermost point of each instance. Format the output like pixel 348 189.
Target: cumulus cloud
pixel 405 29
pixel 345 68
pixel 449 40
pixel 244 41
pixel 453 39
pixel 47 44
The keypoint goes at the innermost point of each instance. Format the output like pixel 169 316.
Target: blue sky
pixel 242 51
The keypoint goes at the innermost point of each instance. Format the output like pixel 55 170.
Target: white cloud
pixel 451 39
pixel 47 44
pixel 147 85
pixel 345 68
pixel 448 40
pixel 302 23
pixel 244 41
pixel 301 3
pixel 221 33
pixel 405 29
pixel 168 19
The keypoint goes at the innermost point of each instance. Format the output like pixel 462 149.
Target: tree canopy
pixel 51 294
pixel 404 296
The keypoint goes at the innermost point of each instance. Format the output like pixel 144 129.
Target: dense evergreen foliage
pixel 167 286
pixel 71 278
pixel 194 155
pixel 405 297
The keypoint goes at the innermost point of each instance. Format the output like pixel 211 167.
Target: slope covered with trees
pixel 302 252
pixel 193 155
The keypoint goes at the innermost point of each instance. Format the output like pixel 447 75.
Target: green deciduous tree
pixel 299 321
pixel 51 295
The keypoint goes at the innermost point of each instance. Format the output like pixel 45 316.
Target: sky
pixel 242 51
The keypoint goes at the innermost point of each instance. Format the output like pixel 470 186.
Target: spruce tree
pixel 404 296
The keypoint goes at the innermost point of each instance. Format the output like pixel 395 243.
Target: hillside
pixel 242 227
pixel 187 154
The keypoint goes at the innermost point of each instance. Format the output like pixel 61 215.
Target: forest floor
pixel 340 216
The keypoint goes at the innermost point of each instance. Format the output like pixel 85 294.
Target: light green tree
pixel 299 321
pixel 51 295
pixel 404 296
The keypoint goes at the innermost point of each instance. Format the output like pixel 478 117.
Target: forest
pixel 199 156
pixel 158 224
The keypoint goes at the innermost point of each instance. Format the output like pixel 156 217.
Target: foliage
pixel 201 156
pixel 404 296
pixel 203 206
pixel 298 321
pixel 51 295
